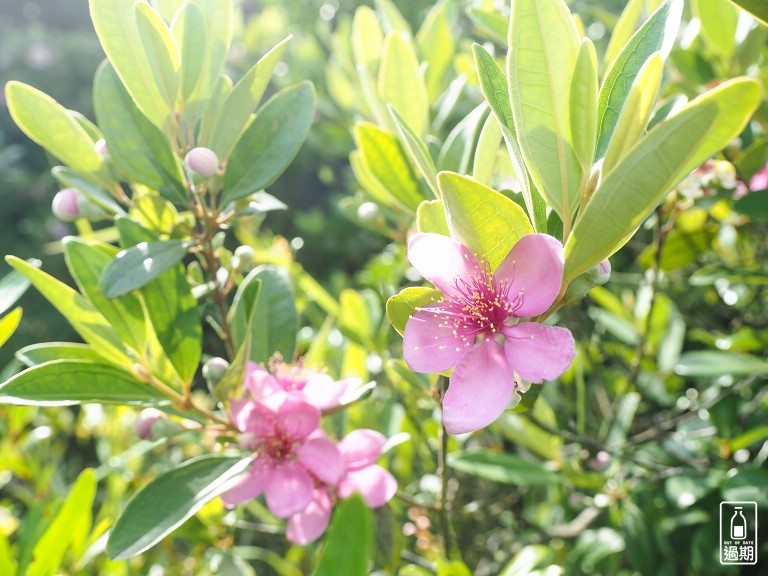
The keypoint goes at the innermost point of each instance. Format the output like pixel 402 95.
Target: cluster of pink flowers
pixel 297 467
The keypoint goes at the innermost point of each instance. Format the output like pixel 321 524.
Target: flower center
pixel 277 448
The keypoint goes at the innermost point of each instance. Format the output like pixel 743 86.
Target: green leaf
pixel 391 17
pixel 501 467
pixel 719 20
pixel 430 217
pixel 170 500
pixel 275 320
pixel 161 50
pixel 72 522
pixel 456 153
pixel 753 159
pixel 136 146
pixel 35 354
pixel 242 100
pixel 71 382
pixel 386 162
pixel 625 415
pixel 622 32
pixel 710 364
pixel 484 220
pixel 656 35
pixel 219 19
pixel 747 485
pixel 634 116
pixel 437 46
pixel 486 151
pixel 12 287
pixel 754 205
pixel 8 564
pixel 584 88
pixel 455 568
pixel 49 124
pixel 270 142
pixel 523 563
pixel 758 8
pixel 119 36
pixel 653 166
pixel 544 45
pixel 68 178
pixel 78 311
pixel 367 38
pixel 134 267
pixel 418 151
pixel 401 85
pixel 8 325
pixel 490 22
pixel 348 542
pixel 402 306
pixel 241 313
pixel 189 30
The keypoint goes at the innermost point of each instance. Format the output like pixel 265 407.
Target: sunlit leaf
pixel 400 83
pixel 138 265
pixel 501 467
pixel 348 542
pixel 401 307
pixel 162 52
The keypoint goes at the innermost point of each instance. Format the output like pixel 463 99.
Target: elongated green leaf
pixel 418 151
pixel 119 36
pixel 78 311
pixel 544 44
pixel 46 122
pixel 622 32
pixel 8 325
pixel 719 20
pixel 391 17
pixel 492 23
pixel 584 88
pixel 456 153
pixel 401 85
pixel 526 560
pixel 270 142
pixel 136 266
pixel 384 158
pixel 170 500
pixel 135 145
pixel 634 116
pixel 348 543
pixel 501 467
pixel 212 109
pixel 12 287
pixel 189 30
pixel 70 382
pixel 758 8
pixel 484 220
pixel 436 46
pixel 241 102
pixel 241 320
pixel 162 52
pixel 401 307
pixel 486 151
pixel 710 364
pixel 8 563
pixel 35 354
pixel 367 38
pixel 656 35
pixel 430 217
pixel 654 165
pixel 68 178
pixel 219 19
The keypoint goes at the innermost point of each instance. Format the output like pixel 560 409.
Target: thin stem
pixel 442 472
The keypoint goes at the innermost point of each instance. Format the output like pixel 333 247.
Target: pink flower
pixel 360 450
pixel 476 327
pixel 292 453
pixel 317 388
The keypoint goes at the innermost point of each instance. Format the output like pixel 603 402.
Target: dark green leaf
pixel 348 542
pixel 501 467
pixel 758 8
pixel 12 287
pixel 754 205
pixel 39 353
pixel 134 267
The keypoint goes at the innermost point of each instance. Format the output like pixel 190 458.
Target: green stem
pixel 442 472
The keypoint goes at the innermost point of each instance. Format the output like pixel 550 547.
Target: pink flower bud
pixel 202 161
pixel 101 148
pixel 65 204
pixel 214 370
pixel 145 421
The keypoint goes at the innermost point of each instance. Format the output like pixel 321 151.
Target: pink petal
pixel 431 342
pixel 309 524
pixel 260 383
pixel 539 352
pixel 375 484
pixel 533 273
pixel 441 260
pixel 289 490
pixel 322 391
pixel 321 457
pixel 251 486
pixel 479 389
pixel 297 418
pixel 361 448
pixel 252 417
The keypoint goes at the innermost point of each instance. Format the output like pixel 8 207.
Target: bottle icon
pixel 738 525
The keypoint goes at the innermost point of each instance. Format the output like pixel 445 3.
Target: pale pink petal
pixel 252 417
pixel 441 260
pixel 361 448
pixel 260 383
pixel 532 273
pixel 432 342
pixel 375 484
pixel 324 392
pixel 322 457
pixel 539 352
pixel 251 486
pixel 309 524
pixel 289 490
pixel 479 389
pixel 297 418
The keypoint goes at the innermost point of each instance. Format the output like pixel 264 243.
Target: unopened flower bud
pixel 65 204
pixel 601 461
pixel 145 421
pixel 101 148
pixel 243 258
pixel 583 283
pixel 214 370
pixel 725 172
pixel 202 161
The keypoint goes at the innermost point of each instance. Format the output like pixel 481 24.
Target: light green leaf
pixel 392 18
pixel 270 142
pixel 384 159
pixel 584 88
pixel 71 382
pixel 154 213
pixel 401 85
pixel 170 500
pixel 710 364
pixel 241 102
pixel 456 153
pixel 484 220
pixel 8 564
pixel 544 45
pixel 68 178
pixel 719 20
pixel 136 146
pixel 622 421
pixel 654 165
pixel 119 36
pixel 212 110
pixel 348 542
pixel 523 563
pixel 189 30
pixel 418 151
pixel 49 124
pixel 78 311
pixel 168 8
pixel 622 32
pixel 161 49
pixel 219 19
pixel 436 46
pixel 486 151
pixel 758 8
pixel 501 467
pixel 490 22
pixel 430 217
pixel 241 320
pixel 402 306
pixel 367 39
pixel 368 182
pixel 634 116
pixel 138 265
pixel 656 35
pixel 35 354
pixel 8 325
pixel 12 287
